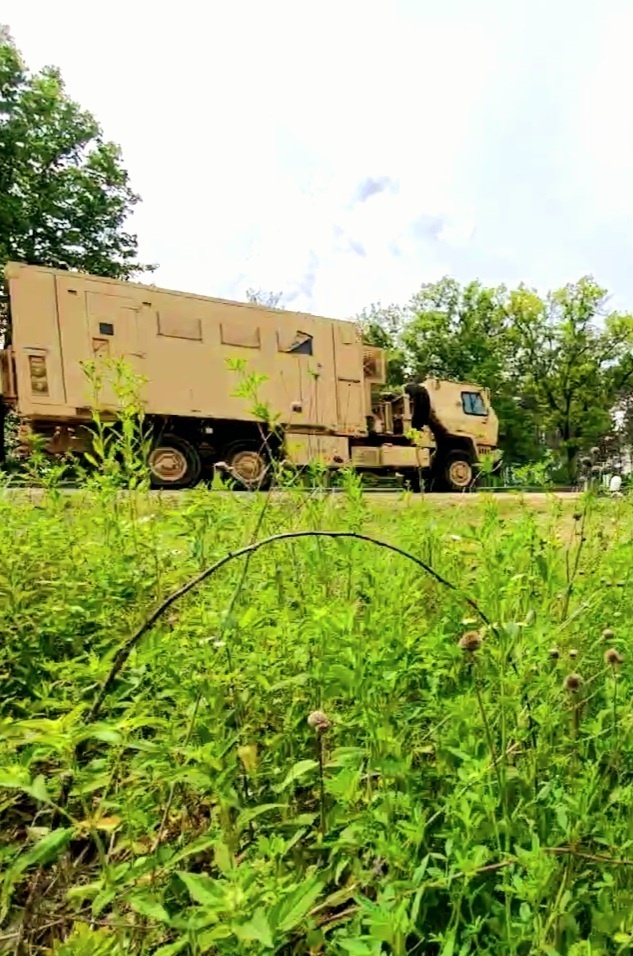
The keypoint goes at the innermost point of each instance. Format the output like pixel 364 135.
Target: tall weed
pixel 320 748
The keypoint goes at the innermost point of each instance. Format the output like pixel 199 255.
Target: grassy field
pixel 304 754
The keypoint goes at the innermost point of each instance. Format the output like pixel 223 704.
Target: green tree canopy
pixel 64 194
pixel 555 365
pixel 572 362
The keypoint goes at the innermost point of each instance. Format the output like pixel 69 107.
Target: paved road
pixel 463 500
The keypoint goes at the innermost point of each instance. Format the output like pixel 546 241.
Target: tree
pixel 382 327
pixel 64 194
pixel 556 366
pixel 572 359
pixel 462 334
pixel 269 299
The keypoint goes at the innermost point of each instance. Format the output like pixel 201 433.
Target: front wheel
pixel 459 473
pixel 173 463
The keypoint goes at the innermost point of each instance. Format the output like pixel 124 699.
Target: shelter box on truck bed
pixel 319 381
pixel 180 344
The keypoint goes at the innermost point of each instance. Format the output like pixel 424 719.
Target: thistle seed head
pixel 470 641
pixel 613 657
pixel 319 721
pixel 607 634
pixel 573 683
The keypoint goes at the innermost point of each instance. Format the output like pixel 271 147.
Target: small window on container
pixel 299 344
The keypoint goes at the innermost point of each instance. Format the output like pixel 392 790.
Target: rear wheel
pixel 459 473
pixel 248 466
pixel 174 463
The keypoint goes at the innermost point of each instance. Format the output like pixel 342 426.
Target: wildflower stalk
pixel 488 733
pixel 613 658
pixel 320 724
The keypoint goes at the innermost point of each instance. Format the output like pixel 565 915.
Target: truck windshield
pixel 473 404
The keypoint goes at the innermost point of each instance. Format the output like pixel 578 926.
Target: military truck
pixel 323 384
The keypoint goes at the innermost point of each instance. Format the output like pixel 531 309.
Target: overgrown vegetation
pixel 65 196
pixel 321 748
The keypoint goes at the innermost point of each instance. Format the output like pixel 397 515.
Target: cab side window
pixel 473 404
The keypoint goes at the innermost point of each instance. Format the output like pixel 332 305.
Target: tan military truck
pixel 325 386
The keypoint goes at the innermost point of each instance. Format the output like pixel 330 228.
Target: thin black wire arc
pixel 126 648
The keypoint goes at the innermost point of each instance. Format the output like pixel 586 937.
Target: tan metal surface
pixel 180 344
pixel 449 401
pixel 318 378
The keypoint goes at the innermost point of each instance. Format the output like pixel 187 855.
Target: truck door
pixel 348 358
pixel 94 325
pixel 113 330
pixel 303 364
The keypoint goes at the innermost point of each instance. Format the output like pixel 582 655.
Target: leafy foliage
pixel 437 800
pixel 556 366
pixel 64 194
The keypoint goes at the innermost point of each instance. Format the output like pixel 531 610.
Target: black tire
pixel 174 463
pixel 458 474
pixel 249 465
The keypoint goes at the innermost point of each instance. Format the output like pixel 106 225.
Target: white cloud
pixel 501 131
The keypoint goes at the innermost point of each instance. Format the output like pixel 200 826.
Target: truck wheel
pixel 173 463
pixel 458 471
pixel 249 466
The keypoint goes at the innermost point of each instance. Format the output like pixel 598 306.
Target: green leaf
pixel 107 734
pixel 202 889
pixel 257 930
pixel 46 850
pixel 253 812
pixel 171 949
pixel 293 909
pixel 84 891
pixel 222 857
pixel 299 770
pixel 18 780
pixel 449 945
pixel 356 947
pixel 197 846
pixel 146 906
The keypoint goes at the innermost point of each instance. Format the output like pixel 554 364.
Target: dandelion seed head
pixel 319 721
pixel 613 657
pixel 573 683
pixel 470 641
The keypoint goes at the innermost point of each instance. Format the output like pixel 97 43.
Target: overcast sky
pixel 346 151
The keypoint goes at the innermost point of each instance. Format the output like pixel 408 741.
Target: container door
pixel 348 357
pixel 113 329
